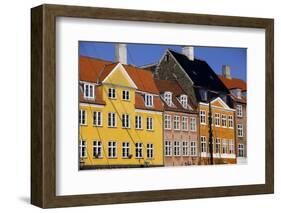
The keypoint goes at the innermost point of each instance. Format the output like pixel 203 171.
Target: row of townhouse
pixel 152 116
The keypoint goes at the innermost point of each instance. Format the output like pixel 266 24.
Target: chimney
pixel 121 53
pixel 188 52
pixel 226 71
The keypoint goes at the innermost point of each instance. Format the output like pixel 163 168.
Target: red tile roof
pixel 234 83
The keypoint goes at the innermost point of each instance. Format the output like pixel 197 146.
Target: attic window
pixel 203 94
pixel 168 98
pixel 167 57
pixel 89 90
pixel 183 100
pixel 148 98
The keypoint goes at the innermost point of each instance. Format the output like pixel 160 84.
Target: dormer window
pixel 183 100
pixel 89 90
pixel 168 98
pixel 238 93
pixel 203 94
pixel 148 99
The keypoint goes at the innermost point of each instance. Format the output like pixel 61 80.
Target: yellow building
pixel 120 116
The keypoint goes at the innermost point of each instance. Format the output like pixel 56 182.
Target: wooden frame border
pixel 43 105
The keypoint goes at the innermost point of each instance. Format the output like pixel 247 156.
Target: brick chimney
pixel 226 71
pixel 188 52
pixel 121 53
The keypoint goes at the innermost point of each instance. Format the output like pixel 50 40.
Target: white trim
pixel 123 70
pixel 149 111
pixel 91 105
pixel 216 107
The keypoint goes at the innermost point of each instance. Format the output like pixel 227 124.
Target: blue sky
pixel 141 54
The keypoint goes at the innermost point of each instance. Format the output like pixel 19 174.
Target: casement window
pixel 224 146
pixel 125 150
pixel 230 121
pixel 97 149
pixel 193 148
pixel 223 120
pixel 89 91
pixel 97 118
pixel 183 100
pixel 202 117
pixel 193 124
pixel 168 98
pixel 138 122
pixel 149 150
pixel 82 149
pixel 185 148
pixel 184 123
pixel 125 121
pixel 112 149
pixel 168 148
pixel 203 144
pixel 240 130
pixel 239 111
pixel 82 117
pixel 176 148
pixel 167 121
pixel 231 146
pixel 241 151
pixel 148 99
pixel 138 150
pixel 111 119
pixel 218 145
pixel 217 119
pixel 126 95
pixel 176 122
pixel 149 123
pixel 111 93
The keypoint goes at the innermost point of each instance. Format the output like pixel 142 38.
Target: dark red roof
pixel 234 83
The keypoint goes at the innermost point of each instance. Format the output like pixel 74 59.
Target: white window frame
pixel 83 148
pixel 185 148
pixel 97 149
pixel 126 149
pixel 112 149
pixel 223 120
pixel 231 146
pixel 184 121
pixel 203 144
pixel 224 146
pixel 177 122
pixel 218 146
pixel 139 150
pixel 111 93
pixel 241 148
pixel 138 122
pixel 125 95
pixel 149 123
pixel 168 148
pixel 217 119
pixel 168 98
pixel 240 132
pixel 230 121
pixel 112 119
pixel 97 118
pixel 149 151
pixel 239 110
pixel 177 148
pixel 203 116
pixel 125 121
pixel 90 89
pixel 184 101
pixel 193 148
pixel 148 99
pixel 193 124
pixel 167 121
pixel 83 117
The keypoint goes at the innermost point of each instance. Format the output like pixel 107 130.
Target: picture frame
pixel 43 105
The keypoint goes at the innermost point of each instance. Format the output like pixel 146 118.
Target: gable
pixel 218 102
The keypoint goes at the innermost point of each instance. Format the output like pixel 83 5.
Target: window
pixel 112 119
pixel 184 123
pixel 111 93
pixel 224 146
pixel 203 144
pixel 167 57
pixel 230 121
pixel 203 94
pixel 148 99
pixel 231 146
pixel 202 117
pixel 217 119
pixel 138 122
pixel 223 120
pixel 240 150
pixel 97 119
pixel 125 121
pixel 112 150
pixel 218 145
pixel 168 148
pixel 239 111
pixel 240 130
pixel 183 100
pixel 177 122
pixel 125 95
pixel 89 91
pixel 82 149
pixel 126 150
pixel 193 124
pixel 185 148
pixel 138 150
pixel 193 148
pixel 149 123
pixel 149 150
pixel 97 149
pixel 167 121
pixel 168 98
pixel 176 148
pixel 82 117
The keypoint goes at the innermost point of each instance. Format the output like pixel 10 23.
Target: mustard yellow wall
pixel 89 133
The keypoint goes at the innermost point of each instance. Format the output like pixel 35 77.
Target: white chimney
pixel 226 71
pixel 188 52
pixel 121 53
